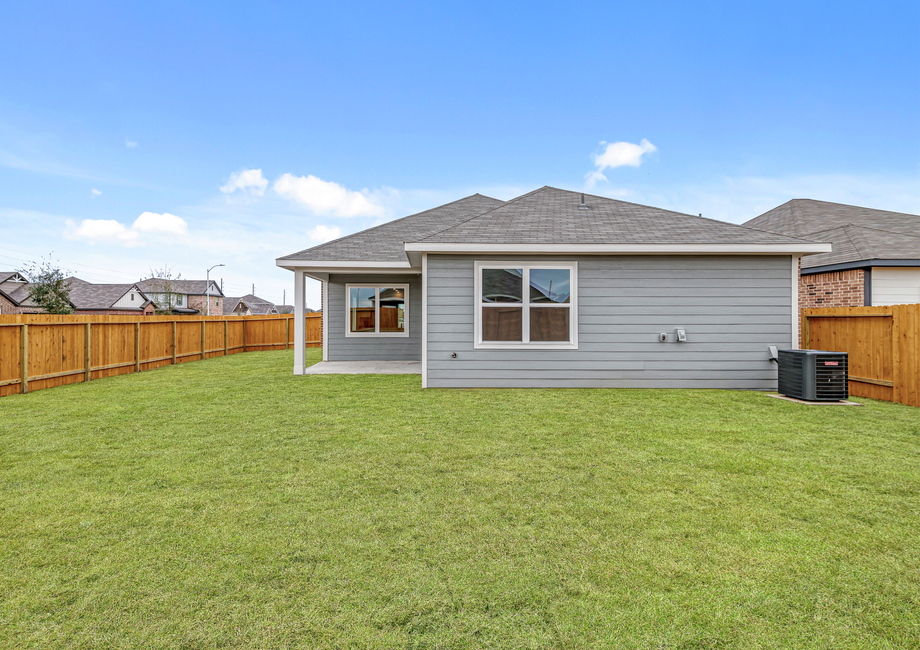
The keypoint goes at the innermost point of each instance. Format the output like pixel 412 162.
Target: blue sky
pixel 114 115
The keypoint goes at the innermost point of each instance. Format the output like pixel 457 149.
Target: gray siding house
pixel 559 289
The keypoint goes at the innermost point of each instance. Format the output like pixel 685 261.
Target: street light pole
pixel 208 288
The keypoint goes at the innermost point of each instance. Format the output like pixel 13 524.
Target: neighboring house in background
pixel 14 294
pixel 876 255
pixel 556 290
pixel 85 297
pixel 289 309
pixel 249 305
pixel 108 299
pixel 190 296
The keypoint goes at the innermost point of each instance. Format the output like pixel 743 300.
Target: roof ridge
pixel 476 216
pixel 853 243
pixel 850 205
pixel 387 223
pixel 856 225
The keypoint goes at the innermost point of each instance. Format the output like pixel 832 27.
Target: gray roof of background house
pixel 856 233
pixel 185 287
pixel 552 216
pixel 386 243
pixel 85 295
pixel 255 304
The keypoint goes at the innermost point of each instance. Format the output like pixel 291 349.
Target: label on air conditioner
pixel 831 363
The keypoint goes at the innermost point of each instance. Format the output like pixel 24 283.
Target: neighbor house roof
pixel 386 243
pixel 6 275
pixel 255 304
pixel 857 234
pixel 186 287
pixel 85 295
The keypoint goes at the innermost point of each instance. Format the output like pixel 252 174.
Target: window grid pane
pixel 363 317
pixel 392 310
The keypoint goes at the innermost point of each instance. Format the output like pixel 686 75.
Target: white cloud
pixel 618 154
pixel 129 144
pixel 322 234
pixel 328 198
pixel 95 192
pixel 247 180
pixel 112 231
pixel 104 230
pixel 160 224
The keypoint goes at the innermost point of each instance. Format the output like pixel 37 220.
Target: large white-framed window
pixel 376 310
pixel 529 305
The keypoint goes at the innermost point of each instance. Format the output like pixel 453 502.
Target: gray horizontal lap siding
pixel 374 348
pixel 732 307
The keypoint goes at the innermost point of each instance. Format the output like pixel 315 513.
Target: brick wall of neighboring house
pixel 199 303
pixel 6 307
pixel 838 289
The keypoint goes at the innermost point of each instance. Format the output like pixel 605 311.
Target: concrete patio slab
pixel 365 368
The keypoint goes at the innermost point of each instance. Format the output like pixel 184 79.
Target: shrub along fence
pixel 42 351
pixel 883 344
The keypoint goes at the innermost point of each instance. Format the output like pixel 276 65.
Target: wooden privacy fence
pixel 42 351
pixel 883 344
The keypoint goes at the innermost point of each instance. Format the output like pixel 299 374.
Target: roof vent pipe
pixel 582 206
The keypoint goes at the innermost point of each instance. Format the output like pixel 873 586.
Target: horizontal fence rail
pixel 883 344
pixel 40 351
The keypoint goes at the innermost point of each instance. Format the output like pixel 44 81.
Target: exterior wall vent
pixel 814 375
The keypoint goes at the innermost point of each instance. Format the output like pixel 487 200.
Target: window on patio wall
pixel 376 310
pixel 526 305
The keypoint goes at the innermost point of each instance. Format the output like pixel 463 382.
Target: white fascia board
pixel 625 249
pixel 347 266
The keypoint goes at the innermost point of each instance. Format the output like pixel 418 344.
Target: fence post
pixel 287 333
pixel 896 311
pixel 24 358
pixel 174 342
pixel 88 352
pixel 244 334
pixel 202 340
pixel 137 347
pixel 807 329
pixel 226 338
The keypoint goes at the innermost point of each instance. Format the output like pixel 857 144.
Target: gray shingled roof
pixel 552 216
pixel 255 304
pixel 856 233
pixel 186 287
pixel 386 243
pixel 84 295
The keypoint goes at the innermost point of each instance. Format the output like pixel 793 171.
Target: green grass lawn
pixel 229 504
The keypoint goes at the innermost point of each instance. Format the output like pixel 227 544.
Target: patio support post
pixel 300 341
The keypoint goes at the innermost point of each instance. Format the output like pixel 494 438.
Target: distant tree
pixel 48 289
pixel 164 294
